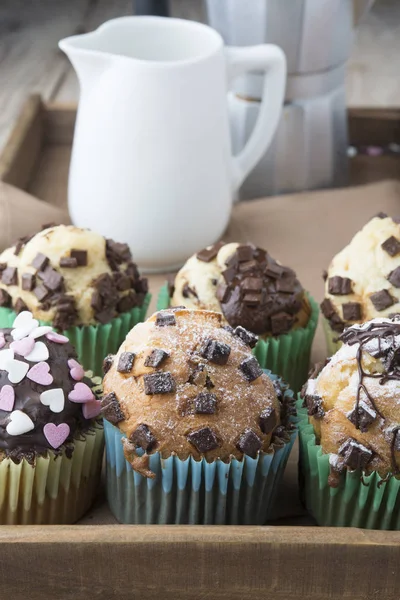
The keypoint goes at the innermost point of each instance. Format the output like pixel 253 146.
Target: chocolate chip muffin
pixel 49 426
pixel 184 386
pixel 363 280
pixel 74 278
pixel 252 290
pixel 353 406
pixel 70 276
pixel 246 285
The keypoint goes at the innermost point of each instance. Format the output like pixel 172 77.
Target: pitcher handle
pixel 271 59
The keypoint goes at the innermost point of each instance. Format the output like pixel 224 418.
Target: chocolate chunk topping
pixel 229 274
pixel 391 246
pixel 41 292
pixel 356 455
pixel 207 255
pixel 143 438
pixel 250 368
pixel 52 279
pixel 80 257
pixel 127 302
pixel 159 383
pixel 327 308
pixel 366 416
pixel 313 402
pixel 5 298
pixel 215 352
pixel 339 286
pixel 9 276
pixel 187 291
pixel 244 253
pixel 324 275
pixel 249 443
pixel 117 254
pixel 40 262
pixel 246 336
pixel 281 323
pixel 251 299
pixel 125 362
pixel 19 306
pixel 203 439
pixel 381 300
pixel 156 358
pixel 165 319
pixel 381 215
pixel 394 277
pixel 274 270
pixel 268 420
pixel 223 293
pixel 66 313
pixel 111 409
pixel 352 311
pixel 205 403
pixel 107 363
pixel 104 298
pixel 28 282
pixel 67 262
pixel 123 282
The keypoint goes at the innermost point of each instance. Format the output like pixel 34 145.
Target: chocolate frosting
pixel 27 399
pixel 258 293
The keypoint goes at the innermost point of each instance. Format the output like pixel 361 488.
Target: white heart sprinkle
pixel 39 331
pixel 23 325
pixel 39 353
pixel 16 370
pixel 54 399
pixel 19 423
pixel 5 356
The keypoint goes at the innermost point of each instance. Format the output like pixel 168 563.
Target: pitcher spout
pixel 88 60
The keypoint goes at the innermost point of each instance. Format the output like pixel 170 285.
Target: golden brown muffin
pixel 70 276
pixel 247 285
pixel 354 401
pixel 363 280
pixel 184 384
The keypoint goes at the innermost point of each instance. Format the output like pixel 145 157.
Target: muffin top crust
pixel 363 280
pixel 184 384
pixel 353 401
pixel 246 285
pixel 70 276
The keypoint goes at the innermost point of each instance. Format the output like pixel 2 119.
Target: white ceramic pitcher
pixel 151 162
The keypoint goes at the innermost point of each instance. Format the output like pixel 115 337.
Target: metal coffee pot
pixel 309 149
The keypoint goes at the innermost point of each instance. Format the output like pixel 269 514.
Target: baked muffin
pixel 51 437
pixel 363 280
pixel 188 406
pixel 254 291
pixel 353 407
pixel 74 278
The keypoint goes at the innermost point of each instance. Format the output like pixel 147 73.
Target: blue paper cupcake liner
pixel 241 492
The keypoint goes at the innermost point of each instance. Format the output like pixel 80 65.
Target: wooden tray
pixel 101 559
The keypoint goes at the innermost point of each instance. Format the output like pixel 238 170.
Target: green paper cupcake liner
pixel 56 489
pixel 194 492
pixel 332 342
pixel 94 342
pixel 361 500
pixel 287 355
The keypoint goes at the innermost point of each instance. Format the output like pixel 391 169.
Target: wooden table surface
pixel 31 62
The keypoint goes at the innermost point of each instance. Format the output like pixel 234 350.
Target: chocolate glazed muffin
pixel 254 291
pixel 247 285
pixel 48 427
pixel 80 283
pixel 354 410
pixel 185 387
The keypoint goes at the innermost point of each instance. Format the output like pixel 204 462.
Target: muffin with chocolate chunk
pixel 252 290
pixel 350 430
pixel 51 436
pixel 363 280
pixel 77 281
pixel 196 431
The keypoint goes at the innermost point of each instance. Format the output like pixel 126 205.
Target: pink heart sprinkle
pixel 23 347
pixel 40 373
pixel 76 370
pixel 81 393
pixel 7 398
pixel 53 336
pixel 2 340
pixel 56 434
pixel 91 409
